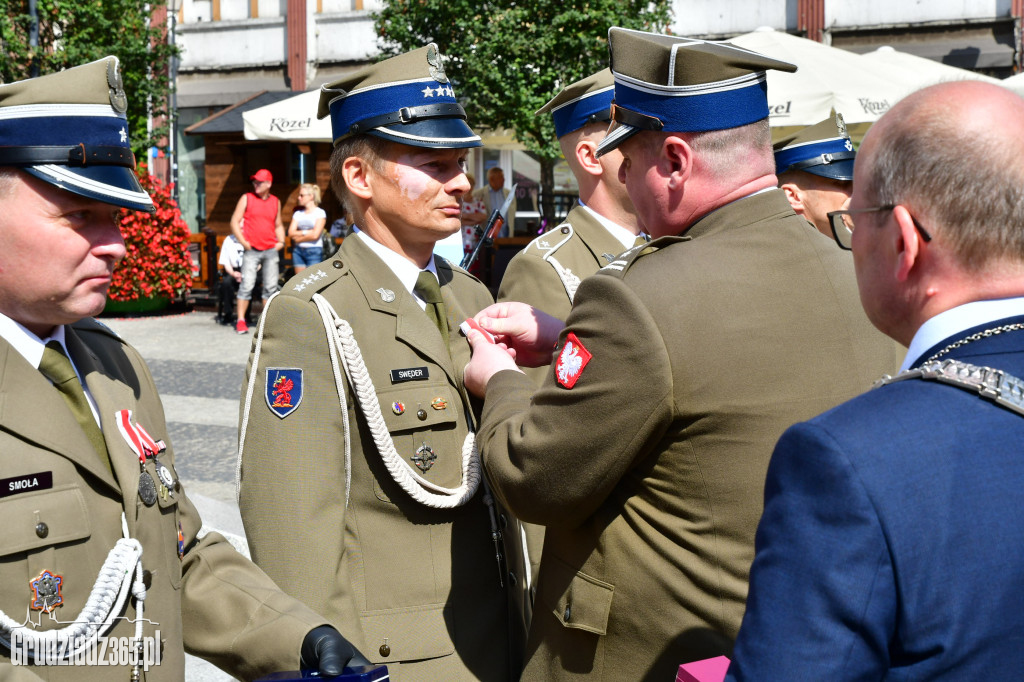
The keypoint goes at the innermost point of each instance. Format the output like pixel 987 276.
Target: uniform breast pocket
pixel 425 423
pixel 35 520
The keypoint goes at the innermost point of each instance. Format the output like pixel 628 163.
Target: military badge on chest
pixel 283 390
pixel 148 451
pixel 46 592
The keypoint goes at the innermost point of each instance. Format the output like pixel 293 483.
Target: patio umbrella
pixel 826 78
pixel 925 71
pixel 290 119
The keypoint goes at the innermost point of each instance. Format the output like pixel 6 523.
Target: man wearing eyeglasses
pixel 889 542
pixel 680 364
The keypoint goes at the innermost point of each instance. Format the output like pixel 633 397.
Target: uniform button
pixel 565 230
pixel 384 650
pixel 147 579
pixel 421 415
pixel 337 265
pixel 568 612
pixel 42 530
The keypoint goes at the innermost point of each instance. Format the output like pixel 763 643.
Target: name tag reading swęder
pixel 399 376
pixel 26 484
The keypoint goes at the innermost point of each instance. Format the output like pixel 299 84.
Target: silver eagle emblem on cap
pixel 434 64
pixel 118 99
pixel 386 295
pixel 841 125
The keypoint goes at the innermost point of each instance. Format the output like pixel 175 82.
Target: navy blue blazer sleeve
pixel 822 602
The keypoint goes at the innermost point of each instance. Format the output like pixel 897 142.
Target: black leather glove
pixel 328 652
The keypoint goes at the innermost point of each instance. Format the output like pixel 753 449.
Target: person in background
pixel 256 224
pixel 493 196
pixel 888 548
pixel 307 228
pixel 230 259
pixel 815 170
pixel 99 534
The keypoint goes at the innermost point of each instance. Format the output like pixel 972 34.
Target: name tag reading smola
pixel 399 376
pixel 42 480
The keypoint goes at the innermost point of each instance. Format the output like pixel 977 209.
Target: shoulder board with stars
pixel 314 279
pixel 625 260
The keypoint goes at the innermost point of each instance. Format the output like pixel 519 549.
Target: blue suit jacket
pixel 891 542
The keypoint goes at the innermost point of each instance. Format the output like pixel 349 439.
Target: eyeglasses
pixel 842 224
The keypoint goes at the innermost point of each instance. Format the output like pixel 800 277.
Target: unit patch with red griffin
pixel 283 390
pixel 571 361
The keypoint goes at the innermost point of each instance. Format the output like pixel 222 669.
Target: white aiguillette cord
pixel 343 344
pixel 100 611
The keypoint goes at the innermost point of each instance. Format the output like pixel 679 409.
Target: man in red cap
pixel 256 224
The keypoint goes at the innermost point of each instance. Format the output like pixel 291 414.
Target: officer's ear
pixel 795 195
pixel 359 175
pixel 586 150
pixel 676 161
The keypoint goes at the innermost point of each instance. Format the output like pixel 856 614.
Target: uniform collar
pixel 621 234
pixel 403 269
pixel 28 344
pixel 955 321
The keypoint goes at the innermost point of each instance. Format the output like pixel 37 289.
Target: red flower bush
pixel 157 261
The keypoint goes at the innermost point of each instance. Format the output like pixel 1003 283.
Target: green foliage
pixel 74 32
pixel 507 59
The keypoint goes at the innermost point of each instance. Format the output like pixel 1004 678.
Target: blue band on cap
pixel 692 110
pixel 60 129
pixel 387 99
pixel 787 156
pixel 576 114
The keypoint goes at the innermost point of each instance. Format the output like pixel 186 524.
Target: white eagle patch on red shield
pixel 571 361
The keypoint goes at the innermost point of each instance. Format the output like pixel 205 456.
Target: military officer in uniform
pixel 99 538
pixel 356 426
pixel 644 453
pixel 815 170
pixel 602 225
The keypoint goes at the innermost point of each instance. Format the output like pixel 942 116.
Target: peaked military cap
pixel 69 129
pixel 405 99
pixel 683 85
pixel 823 149
pixel 585 101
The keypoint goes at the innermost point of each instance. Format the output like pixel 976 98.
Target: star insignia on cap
pixel 441 91
pixel 428 91
pixel 124 135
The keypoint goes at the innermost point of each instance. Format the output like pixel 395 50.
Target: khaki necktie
pixel 429 290
pixel 640 241
pixel 56 367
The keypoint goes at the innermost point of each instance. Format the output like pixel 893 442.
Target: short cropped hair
pixel 724 151
pixel 374 150
pixel 969 191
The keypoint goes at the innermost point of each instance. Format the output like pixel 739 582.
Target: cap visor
pixel 116 185
pixel 437 133
pixel 617 134
pixel 840 170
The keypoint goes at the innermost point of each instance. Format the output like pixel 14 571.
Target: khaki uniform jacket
pixel 414 588
pixel 548 271
pixel 212 601
pixel 649 471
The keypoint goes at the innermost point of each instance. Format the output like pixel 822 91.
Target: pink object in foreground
pixel 470 323
pixel 708 670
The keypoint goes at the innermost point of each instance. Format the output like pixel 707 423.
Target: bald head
pixel 951 154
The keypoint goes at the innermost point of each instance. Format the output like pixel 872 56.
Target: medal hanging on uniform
pixel 145 447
